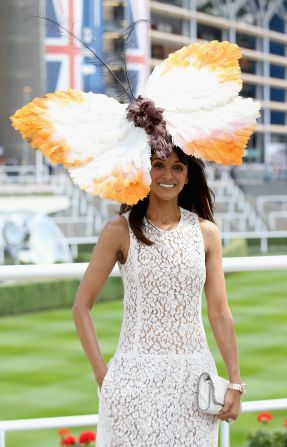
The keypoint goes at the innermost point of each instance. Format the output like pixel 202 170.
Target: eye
pixel 158 164
pixel 178 167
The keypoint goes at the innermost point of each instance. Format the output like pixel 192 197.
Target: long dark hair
pixel 195 196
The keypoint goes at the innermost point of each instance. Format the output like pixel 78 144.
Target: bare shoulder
pixel 210 233
pixel 116 225
pixel 116 233
pixel 115 230
pixel 208 226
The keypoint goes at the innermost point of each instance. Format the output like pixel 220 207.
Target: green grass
pixel 44 372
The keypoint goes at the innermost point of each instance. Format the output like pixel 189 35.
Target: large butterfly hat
pixel 190 100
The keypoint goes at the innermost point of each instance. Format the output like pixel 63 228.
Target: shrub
pixel 261 438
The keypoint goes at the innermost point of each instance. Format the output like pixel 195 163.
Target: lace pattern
pixel 147 398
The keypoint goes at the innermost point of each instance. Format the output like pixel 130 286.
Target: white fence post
pixel 224 434
pixel 2 438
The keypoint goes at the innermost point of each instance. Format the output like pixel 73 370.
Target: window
pixel 247 65
pixel 157 52
pixel 277 71
pixel 166 24
pixel 277 94
pixel 277 117
pixel 173 2
pixel 208 32
pixel 245 41
pixel 119 13
pixel 207 6
pixel 248 91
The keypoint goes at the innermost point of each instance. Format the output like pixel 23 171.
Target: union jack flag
pixel 67 65
pixel 139 48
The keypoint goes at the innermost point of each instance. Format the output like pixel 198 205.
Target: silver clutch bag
pixel 211 390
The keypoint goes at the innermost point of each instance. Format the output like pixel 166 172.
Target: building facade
pixel 259 27
pixel 22 74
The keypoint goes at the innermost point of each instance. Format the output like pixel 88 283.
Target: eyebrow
pixel 164 160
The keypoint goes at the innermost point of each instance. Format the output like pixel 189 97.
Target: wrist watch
pixel 238 387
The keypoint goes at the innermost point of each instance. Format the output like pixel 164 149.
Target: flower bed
pixel 86 438
pixel 265 438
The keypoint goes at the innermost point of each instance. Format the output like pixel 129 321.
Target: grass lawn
pixel 44 372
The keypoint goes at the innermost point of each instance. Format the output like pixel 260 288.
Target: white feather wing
pixel 198 89
pixel 89 133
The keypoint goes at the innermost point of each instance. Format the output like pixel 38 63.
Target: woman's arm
pixel 103 259
pixel 220 316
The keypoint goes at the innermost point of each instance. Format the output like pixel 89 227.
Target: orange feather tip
pixel 34 125
pixel 224 149
pixel 118 185
pixel 220 57
pixel 118 190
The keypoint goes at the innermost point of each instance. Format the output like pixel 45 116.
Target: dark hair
pixel 195 196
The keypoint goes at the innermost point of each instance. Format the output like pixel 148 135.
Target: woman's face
pixel 168 176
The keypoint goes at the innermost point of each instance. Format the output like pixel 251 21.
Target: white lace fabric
pixel 147 398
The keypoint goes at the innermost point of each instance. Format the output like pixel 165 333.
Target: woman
pixel 168 248
pixel 166 243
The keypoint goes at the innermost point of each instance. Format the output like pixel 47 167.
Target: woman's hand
pixel 231 409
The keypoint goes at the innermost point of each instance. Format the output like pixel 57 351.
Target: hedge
pixel 237 247
pixel 43 295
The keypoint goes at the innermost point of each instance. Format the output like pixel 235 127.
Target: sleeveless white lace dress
pixel 147 398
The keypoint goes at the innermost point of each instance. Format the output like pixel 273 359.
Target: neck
pixel 163 211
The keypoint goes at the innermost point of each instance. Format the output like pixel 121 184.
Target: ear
pixel 186 180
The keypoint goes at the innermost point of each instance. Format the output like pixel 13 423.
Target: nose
pixel 167 173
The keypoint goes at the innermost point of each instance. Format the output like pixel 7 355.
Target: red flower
pixel 86 437
pixel 63 431
pixel 285 423
pixel 264 417
pixel 69 440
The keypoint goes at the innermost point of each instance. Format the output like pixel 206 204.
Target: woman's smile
pixel 166 185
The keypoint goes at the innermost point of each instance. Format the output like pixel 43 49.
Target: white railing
pixel 26 179
pixel 275 215
pixel 56 271
pixel 261 201
pixel 238 201
pixel 90 420
pixel 264 236
pixel 24 174
pixel 76 270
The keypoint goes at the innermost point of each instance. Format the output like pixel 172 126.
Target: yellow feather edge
pixel 34 125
